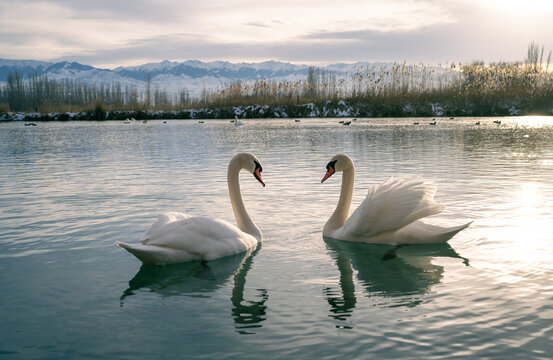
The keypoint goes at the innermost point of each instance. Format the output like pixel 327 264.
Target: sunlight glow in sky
pixel 517 6
pixel 125 32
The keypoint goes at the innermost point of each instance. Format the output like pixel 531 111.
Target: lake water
pixel 68 191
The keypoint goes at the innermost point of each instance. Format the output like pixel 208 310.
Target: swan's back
pixel 391 206
pixel 161 221
pixel 177 237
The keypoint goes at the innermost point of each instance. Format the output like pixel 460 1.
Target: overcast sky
pixel 108 33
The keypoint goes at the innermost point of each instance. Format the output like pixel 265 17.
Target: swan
pixel 176 237
pixel 389 214
pixel 238 122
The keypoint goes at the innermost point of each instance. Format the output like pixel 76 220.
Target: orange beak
pixel 257 175
pixel 328 174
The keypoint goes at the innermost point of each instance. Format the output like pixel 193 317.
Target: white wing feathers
pixel 162 220
pixel 202 237
pixel 393 205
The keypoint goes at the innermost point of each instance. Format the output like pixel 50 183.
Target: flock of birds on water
pixel 392 213
pixel 434 122
pixel 237 122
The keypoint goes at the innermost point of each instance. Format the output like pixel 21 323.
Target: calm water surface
pixel 68 191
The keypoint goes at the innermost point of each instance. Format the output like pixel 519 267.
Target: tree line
pixel 41 94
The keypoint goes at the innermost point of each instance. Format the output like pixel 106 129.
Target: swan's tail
pixel 419 232
pixel 153 255
pixel 450 232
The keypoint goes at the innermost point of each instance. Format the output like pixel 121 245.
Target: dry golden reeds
pixel 397 89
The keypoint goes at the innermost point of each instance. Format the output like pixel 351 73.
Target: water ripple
pixel 70 190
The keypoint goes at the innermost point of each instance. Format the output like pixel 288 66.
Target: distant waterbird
pixel 238 122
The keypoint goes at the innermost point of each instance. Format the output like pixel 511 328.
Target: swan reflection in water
pixel 398 273
pixel 196 279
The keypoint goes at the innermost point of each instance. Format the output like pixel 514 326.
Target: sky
pixel 110 33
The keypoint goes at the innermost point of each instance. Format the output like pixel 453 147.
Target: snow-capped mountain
pixel 170 76
pixel 216 69
pixel 192 75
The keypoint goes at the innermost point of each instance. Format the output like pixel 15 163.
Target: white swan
pixel 389 214
pixel 177 237
pixel 238 122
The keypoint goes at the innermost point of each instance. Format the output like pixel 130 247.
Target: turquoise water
pixel 68 191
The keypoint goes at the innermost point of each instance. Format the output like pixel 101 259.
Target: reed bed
pixel 407 90
pixel 397 89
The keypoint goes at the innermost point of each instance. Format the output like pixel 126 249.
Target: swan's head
pixel 251 164
pixel 338 163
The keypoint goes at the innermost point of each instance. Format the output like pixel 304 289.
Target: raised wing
pixel 393 205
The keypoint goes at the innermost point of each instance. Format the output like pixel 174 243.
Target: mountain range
pixel 192 75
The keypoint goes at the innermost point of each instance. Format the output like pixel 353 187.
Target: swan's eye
pixel 332 165
pixel 330 169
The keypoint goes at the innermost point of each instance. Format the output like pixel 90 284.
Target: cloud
pixel 108 33
pixel 257 24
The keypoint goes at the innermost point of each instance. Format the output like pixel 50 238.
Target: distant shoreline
pixel 338 109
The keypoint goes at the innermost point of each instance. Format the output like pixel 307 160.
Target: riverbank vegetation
pixel 396 90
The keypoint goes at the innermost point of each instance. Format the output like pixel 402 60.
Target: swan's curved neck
pixel 243 220
pixel 341 213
